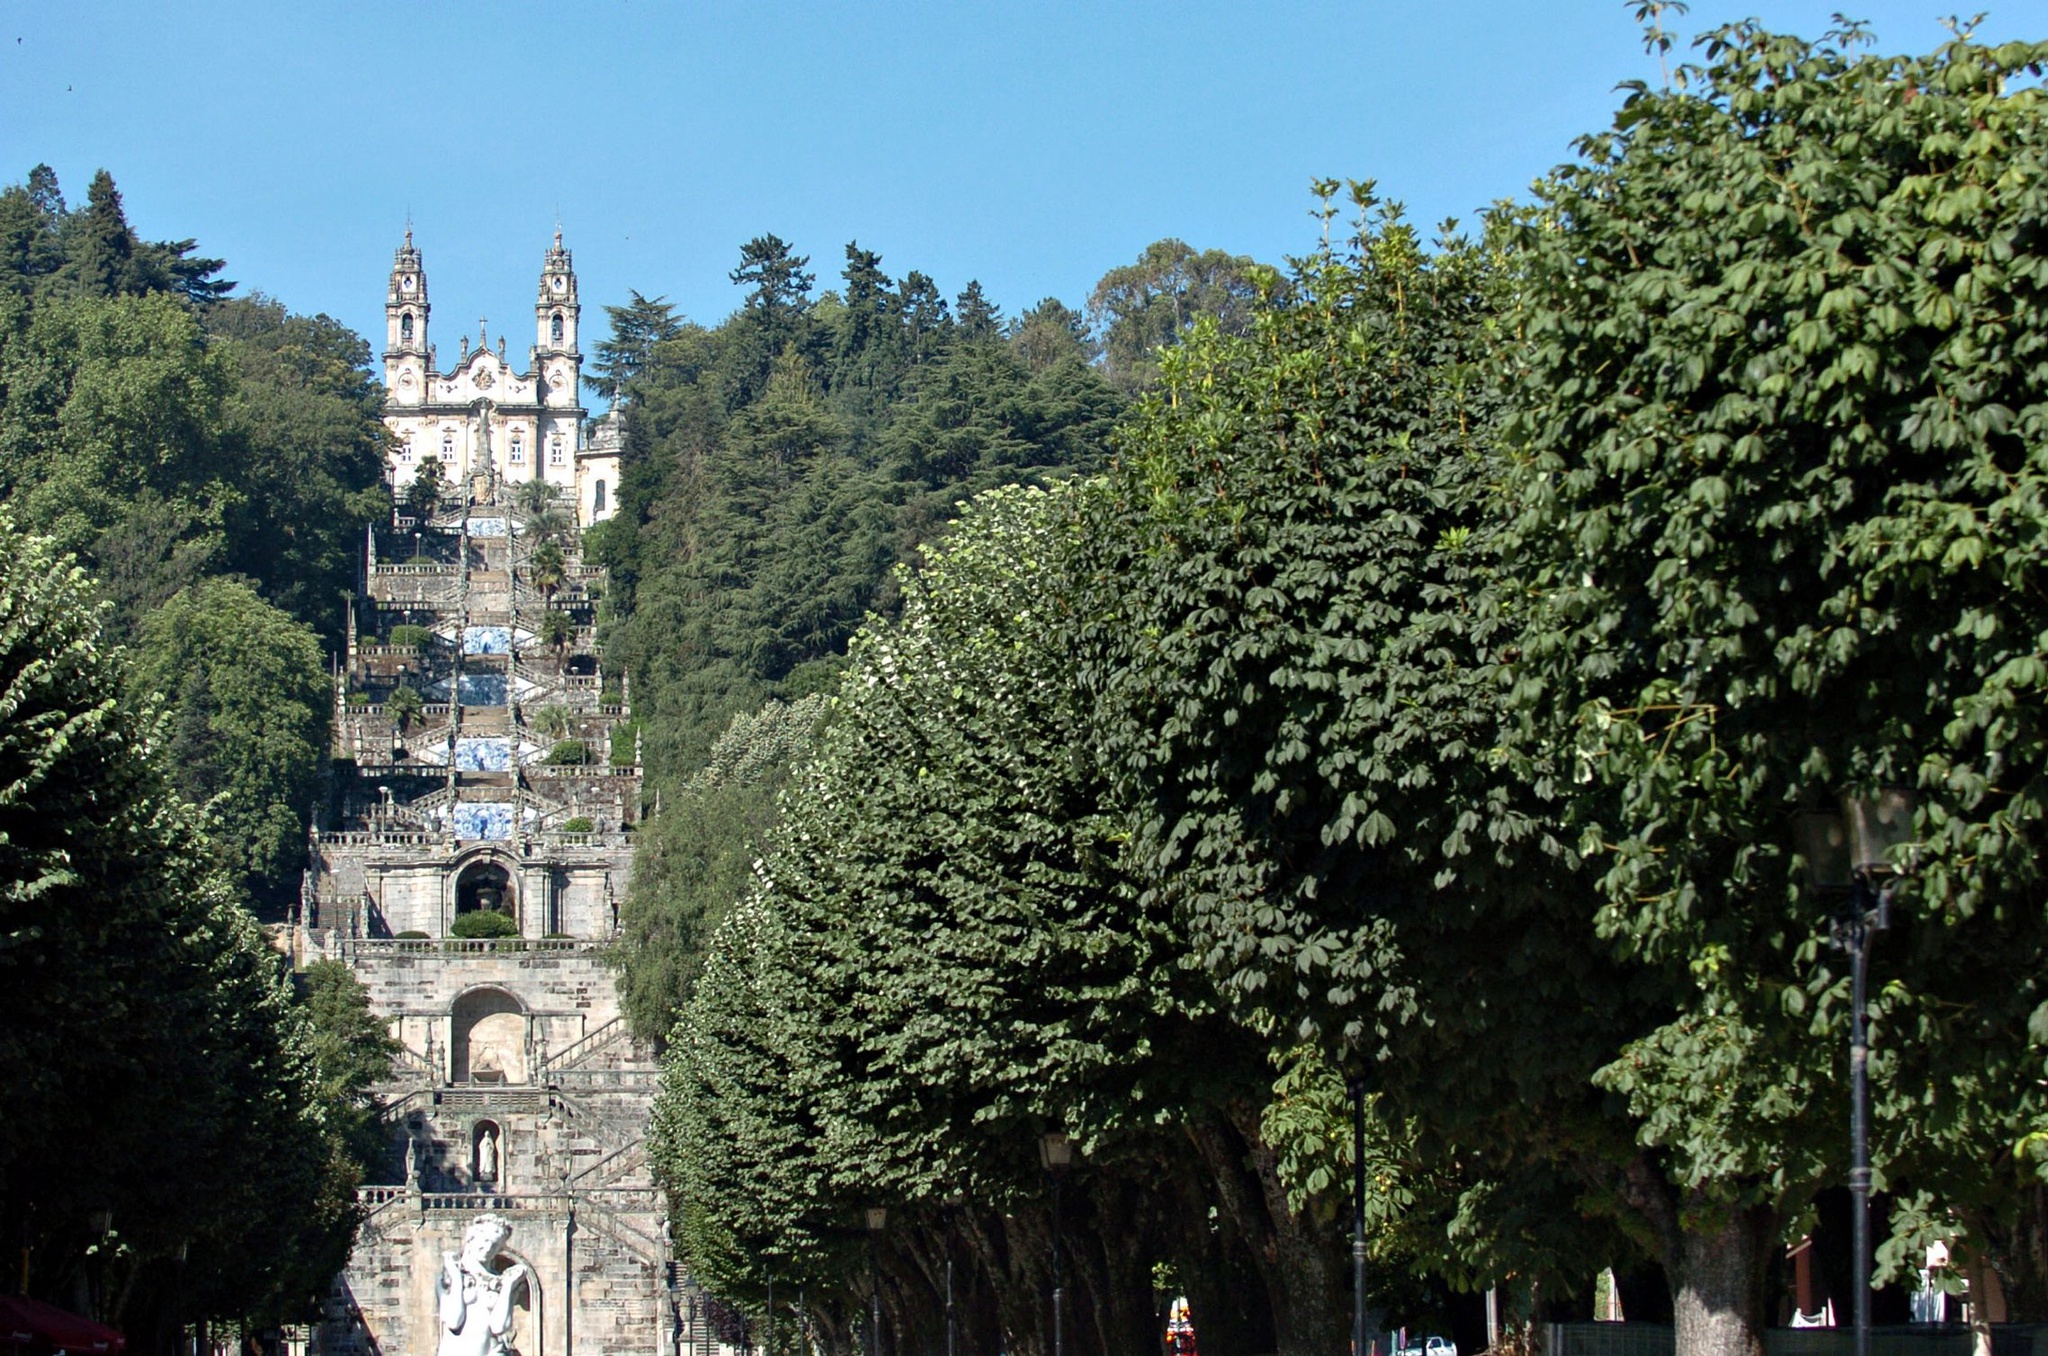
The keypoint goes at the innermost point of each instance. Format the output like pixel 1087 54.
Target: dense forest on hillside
pixel 782 465
pixel 182 442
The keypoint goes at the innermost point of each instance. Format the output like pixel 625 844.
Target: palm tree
pixel 548 568
pixel 557 629
pixel 534 496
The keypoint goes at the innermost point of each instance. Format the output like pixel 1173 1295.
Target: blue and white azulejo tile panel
pixel 475 753
pixel 482 819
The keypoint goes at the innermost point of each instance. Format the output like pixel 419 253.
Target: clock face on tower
pixel 405 283
pixel 559 283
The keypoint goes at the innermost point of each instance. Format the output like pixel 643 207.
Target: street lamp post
pixel 952 1204
pixel 878 1219
pixel 1357 1089
pixel 1056 1152
pixel 1849 855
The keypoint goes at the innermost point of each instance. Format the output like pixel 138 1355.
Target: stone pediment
pixel 484 374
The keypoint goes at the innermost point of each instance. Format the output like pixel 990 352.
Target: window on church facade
pixel 518 449
pixel 555 450
pixel 555 329
pixel 405 328
pixel 597 498
pixel 447 449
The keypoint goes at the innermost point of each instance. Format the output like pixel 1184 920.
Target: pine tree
pixel 637 327
pixel 976 319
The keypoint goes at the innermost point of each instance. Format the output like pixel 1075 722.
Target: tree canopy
pixel 146 1029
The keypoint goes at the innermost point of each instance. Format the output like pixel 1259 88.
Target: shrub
pixel 625 741
pixel 407 636
pixel 580 824
pixel 483 924
pixel 412 935
pixel 569 753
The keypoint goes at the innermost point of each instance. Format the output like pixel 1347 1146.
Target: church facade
pixel 484 415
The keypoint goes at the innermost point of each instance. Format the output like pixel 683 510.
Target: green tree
pixel 352 1053
pixel 976 319
pixel 403 705
pixel 250 702
pixel 1293 609
pixel 306 443
pixel 114 429
pixel 547 567
pixel 557 630
pixel 867 355
pixel 695 859
pixel 1149 304
pixel 105 258
pixel 637 328
pixel 1774 475
pixel 428 489
pixel 774 317
pixel 31 220
pixel 1049 334
pixel 197 1108
pixel 943 914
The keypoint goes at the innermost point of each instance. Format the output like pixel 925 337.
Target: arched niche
pixel 487 1153
pixel 489 1038
pixel 485 886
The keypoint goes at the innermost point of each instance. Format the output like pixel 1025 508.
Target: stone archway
pixel 489 1044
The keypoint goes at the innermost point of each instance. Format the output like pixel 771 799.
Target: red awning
pixel 31 1325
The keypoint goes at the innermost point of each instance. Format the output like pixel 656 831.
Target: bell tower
pixel 556 312
pixel 406 355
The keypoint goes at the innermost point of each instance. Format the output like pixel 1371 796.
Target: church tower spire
pixel 406 354
pixel 555 313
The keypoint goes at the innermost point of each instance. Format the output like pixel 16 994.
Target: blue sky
pixel 1033 146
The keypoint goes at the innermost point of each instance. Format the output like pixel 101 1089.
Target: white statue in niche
pixel 487 1156
pixel 475 1302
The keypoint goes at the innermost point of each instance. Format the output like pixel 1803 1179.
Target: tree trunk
pixel 1309 1268
pixel 1718 1282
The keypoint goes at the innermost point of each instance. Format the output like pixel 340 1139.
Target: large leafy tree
pixel 113 417
pixel 306 446
pixel 250 711
pixel 1780 446
pixel 1295 607
pixel 1148 304
pixel 944 916
pixel 146 1029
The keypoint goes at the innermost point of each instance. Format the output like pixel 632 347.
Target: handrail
pixel 606 1161
pixel 583 1045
